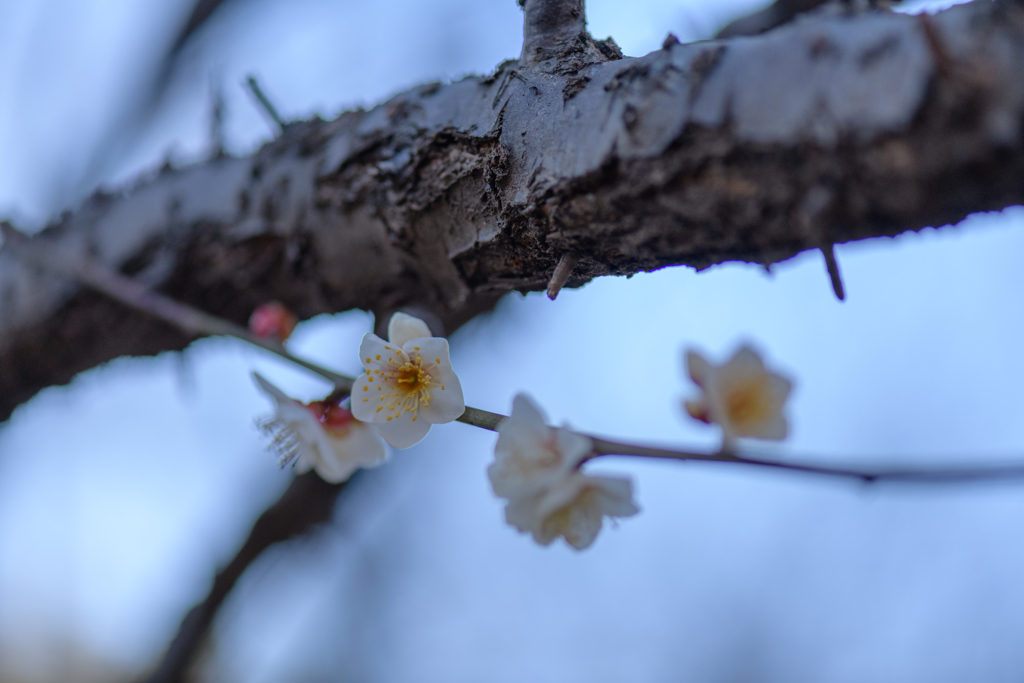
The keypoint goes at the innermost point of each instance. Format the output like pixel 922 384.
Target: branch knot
pixel 556 29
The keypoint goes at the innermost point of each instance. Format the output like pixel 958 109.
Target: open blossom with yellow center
pixel 741 396
pixel 409 383
pixel 536 468
pixel 320 436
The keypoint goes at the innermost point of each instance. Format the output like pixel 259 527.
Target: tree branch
pixel 193 321
pixel 307 503
pixel 447 196
pixel 775 14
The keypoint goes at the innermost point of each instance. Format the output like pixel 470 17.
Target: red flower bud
pixel 272 321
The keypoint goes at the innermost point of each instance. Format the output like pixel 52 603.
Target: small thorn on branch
pixel 833 270
pixel 809 217
pixel 257 92
pixel 562 272
pixel 216 119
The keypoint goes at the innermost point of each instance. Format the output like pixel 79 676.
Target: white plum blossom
pixel 530 456
pixel 536 468
pixel 409 383
pixel 741 396
pixel 574 508
pixel 320 436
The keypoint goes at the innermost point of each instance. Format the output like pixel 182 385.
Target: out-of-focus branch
pixel 922 474
pixel 784 11
pixel 447 196
pixel 307 503
pixel 775 14
pixel 202 10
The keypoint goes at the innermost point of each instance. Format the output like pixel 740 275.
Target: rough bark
pixel 837 127
pixel 776 14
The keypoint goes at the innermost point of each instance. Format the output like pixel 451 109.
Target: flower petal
pixel 616 495
pixel 279 396
pixel 561 495
pixel 404 327
pixel 526 425
pixel 433 350
pixel 520 513
pixel 334 470
pixel 575 447
pixel 779 387
pixel 365 399
pixel 361 446
pixel 402 431
pixel 583 528
pixel 529 456
pixel 447 402
pixel 698 410
pixel 576 508
pixel 528 412
pixel 741 395
pixel 776 429
pixel 374 352
pixel 570 510
pixel 288 409
pixel 698 367
pixel 446 398
pixel 745 360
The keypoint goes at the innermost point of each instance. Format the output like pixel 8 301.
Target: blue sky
pixel 120 493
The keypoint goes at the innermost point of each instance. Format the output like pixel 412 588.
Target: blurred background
pixel 122 493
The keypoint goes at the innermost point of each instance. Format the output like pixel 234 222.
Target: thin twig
pixel 194 321
pixel 484 419
pixel 216 118
pixel 135 294
pixel 929 475
pixel 257 92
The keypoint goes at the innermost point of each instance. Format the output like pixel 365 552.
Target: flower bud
pixel 272 321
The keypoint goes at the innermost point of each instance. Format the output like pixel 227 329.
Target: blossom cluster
pixel 536 469
pixel 408 385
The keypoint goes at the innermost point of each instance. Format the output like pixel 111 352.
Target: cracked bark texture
pixel 839 126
